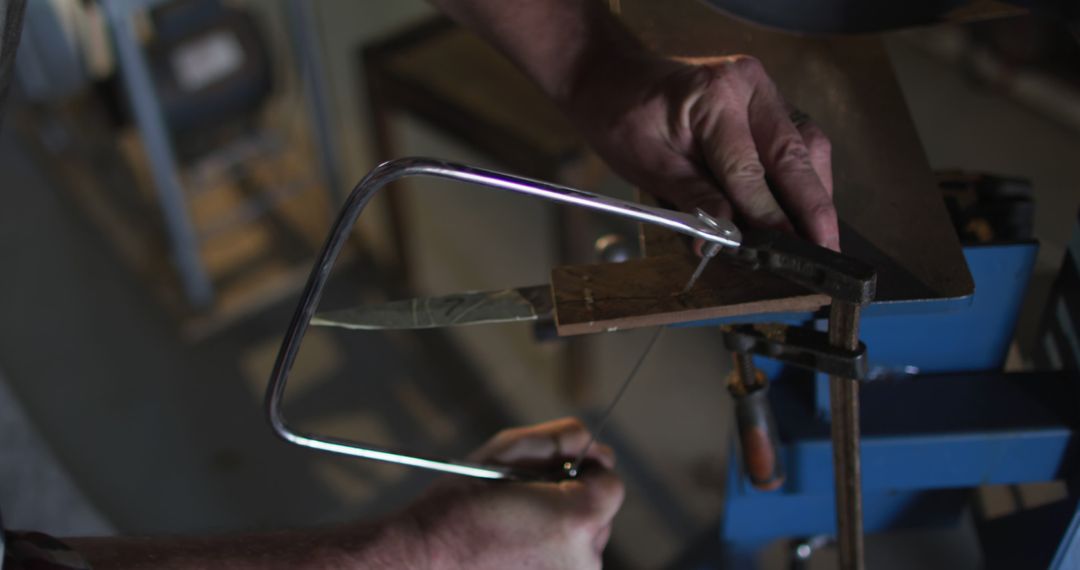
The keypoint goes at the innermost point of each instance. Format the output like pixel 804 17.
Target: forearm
pixel 392 544
pixel 564 45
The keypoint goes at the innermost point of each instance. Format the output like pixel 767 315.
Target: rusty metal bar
pixel 844 404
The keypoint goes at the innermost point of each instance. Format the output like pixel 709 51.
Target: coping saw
pixel 849 282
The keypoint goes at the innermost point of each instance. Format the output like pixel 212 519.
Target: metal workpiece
pixel 847 471
pixel 711 248
pixel 798 346
pixel 708 251
pixel 712 230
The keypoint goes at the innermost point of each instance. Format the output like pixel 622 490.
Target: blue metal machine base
pixel 926 433
pixel 941 420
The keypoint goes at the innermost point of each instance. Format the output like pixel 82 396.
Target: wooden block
pixel 647 292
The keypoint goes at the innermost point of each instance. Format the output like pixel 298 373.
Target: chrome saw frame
pixel 717 233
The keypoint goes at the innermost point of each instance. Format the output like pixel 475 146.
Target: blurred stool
pixel 455 83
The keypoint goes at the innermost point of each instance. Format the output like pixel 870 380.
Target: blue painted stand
pixel 941 420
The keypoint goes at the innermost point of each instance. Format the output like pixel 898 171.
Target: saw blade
pixel 572 469
pixel 454 310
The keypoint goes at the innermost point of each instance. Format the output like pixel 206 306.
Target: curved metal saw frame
pixel 720 232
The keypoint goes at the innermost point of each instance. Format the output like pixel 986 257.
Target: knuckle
pixel 817 142
pixel 718 85
pixel 791 152
pixel 742 167
pixel 822 210
pixel 575 424
pixel 761 207
pixel 507 435
pixel 569 427
pixel 732 76
pixel 748 65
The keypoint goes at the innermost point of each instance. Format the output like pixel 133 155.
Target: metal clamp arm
pixel 797 346
pixel 819 269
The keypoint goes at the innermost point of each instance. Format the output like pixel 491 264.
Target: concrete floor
pixel 164 436
pixel 37 492
pixel 161 436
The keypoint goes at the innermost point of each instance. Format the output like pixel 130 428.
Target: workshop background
pixel 132 372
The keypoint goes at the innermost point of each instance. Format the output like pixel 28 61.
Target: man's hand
pixel 711 133
pixel 714 134
pixel 500 525
pixel 460 523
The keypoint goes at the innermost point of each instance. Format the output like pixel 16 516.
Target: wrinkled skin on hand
pixel 475 524
pixel 714 133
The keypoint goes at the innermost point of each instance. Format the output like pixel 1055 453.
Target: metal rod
pixel 745 373
pixel 844 405
pixel 304 29
pixel 697 273
pixel 149 117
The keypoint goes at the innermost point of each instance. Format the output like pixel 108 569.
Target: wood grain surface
pixel 648 292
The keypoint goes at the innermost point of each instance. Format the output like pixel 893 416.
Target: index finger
pixel 560 439
pixel 789 167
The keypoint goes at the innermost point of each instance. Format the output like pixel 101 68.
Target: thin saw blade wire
pixel 574 468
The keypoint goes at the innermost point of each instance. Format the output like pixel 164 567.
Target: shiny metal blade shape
pixel 454 310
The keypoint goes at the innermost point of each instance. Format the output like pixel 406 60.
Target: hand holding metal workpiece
pixel 732 130
pixel 693 132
